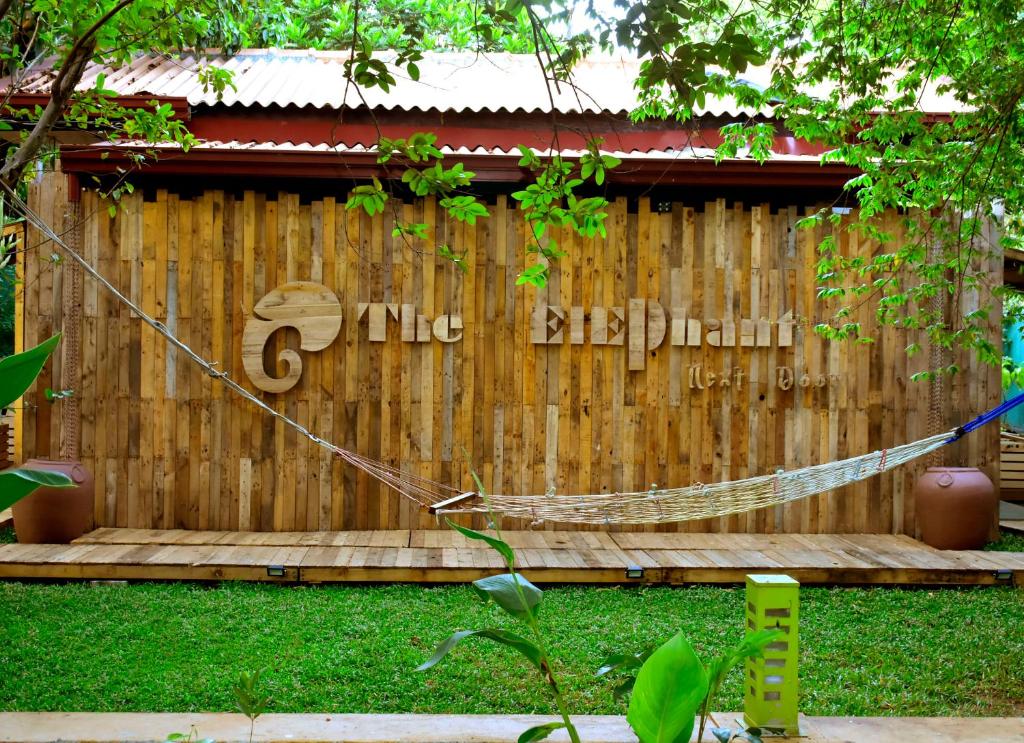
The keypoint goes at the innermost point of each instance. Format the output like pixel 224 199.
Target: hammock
pixel 702 501
pixel 654 506
pixel 698 501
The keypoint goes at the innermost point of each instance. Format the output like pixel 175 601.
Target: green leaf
pixel 496 543
pixel 540 732
pixel 18 371
pixel 251 702
pixel 510 639
pixel 16 483
pixel 501 589
pixel 669 690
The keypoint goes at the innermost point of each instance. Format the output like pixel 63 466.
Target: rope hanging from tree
pixel 697 501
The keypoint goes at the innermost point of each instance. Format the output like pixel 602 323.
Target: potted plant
pixel 50 480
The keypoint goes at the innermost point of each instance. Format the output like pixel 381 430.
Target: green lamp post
pixel 770 688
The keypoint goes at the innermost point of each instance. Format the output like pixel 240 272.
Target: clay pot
pixel 956 507
pixel 55 515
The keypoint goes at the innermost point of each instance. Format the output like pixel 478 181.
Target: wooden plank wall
pixel 170 449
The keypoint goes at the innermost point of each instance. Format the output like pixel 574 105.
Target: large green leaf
pixel 540 732
pixel 511 639
pixel 19 371
pixel 501 589
pixel 669 690
pixel 496 543
pixel 16 483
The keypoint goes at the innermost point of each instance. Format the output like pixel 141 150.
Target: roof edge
pixel 180 107
pixel 490 168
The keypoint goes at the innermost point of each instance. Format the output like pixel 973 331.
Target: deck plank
pixel 554 556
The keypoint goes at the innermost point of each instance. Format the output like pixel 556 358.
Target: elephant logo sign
pixel 310 308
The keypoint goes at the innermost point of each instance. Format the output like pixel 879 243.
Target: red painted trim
pixel 178 105
pixel 491 130
pixel 74 188
pixel 489 168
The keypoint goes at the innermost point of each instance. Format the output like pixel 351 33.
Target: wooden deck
pixel 1011 517
pixel 43 727
pixel 545 556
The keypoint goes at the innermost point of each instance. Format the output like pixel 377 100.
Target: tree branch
pixel 63 88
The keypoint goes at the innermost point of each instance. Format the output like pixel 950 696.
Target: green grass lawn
pixel 1007 542
pixel 177 647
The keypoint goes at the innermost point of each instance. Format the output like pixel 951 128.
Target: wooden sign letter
pixel 746 333
pixel 445 327
pixel 310 308
pixel 378 318
pixel 546 324
pixel 576 325
pixel 714 336
pixel 786 330
pixel 655 324
pixel 606 326
pixel 636 334
pixel 598 326
pixel 678 335
pixel 784 378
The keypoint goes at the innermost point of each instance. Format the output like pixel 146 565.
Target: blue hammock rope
pixel 991 415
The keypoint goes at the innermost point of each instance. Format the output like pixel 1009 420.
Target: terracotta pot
pixel 956 507
pixel 55 515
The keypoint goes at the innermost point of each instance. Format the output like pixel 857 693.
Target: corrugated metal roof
pixel 449 81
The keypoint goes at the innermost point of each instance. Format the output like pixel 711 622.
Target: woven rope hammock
pixel 698 501
pixel 702 501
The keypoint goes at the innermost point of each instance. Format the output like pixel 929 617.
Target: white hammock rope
pixel 702 501
pixel 654 506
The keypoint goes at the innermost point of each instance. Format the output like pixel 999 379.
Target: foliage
pixel 429 25
pixel 192 736
pixel 7 285
pixel 17 373
pixel 669 687
pixel 1013 313
pixel 252 702
pixel 623 667
pixel 830 77
pixel 1007 542
pixel 550 202
pixel 77 32
pixel 520 599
